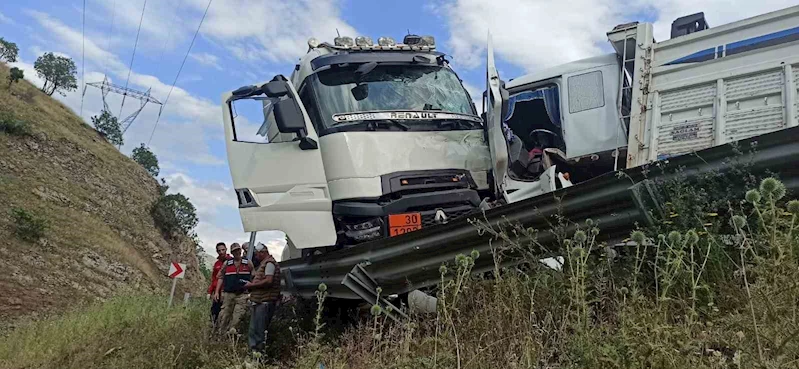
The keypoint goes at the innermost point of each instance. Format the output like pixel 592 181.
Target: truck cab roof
pixel 562 69
pixel 325 55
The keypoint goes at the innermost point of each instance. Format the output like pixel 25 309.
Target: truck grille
pixel 428 216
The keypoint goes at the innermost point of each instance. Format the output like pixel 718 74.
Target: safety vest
pixel 233 276
pixel 268 293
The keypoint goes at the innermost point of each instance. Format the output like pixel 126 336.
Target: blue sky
pixel 247 41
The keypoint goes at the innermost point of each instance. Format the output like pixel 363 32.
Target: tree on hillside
pixel 14 75
pixel 8 51
pixel 174 213
pixel 58 73
pixel 147 159
pixel 108 126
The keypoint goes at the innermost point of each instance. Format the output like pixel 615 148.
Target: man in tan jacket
pixel 264 295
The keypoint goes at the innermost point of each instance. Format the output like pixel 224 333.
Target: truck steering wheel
pixel 537 136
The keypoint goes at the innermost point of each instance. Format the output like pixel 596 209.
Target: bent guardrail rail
pixel 617 202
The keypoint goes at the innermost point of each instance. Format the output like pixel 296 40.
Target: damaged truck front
pixel 362 142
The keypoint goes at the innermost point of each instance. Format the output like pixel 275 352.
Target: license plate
pixel 399 224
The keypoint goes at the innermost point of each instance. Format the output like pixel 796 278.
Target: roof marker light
pixel 345 41
pixel 386 41
pixel 363 41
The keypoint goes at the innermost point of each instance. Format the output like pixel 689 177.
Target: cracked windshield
pixel 388 88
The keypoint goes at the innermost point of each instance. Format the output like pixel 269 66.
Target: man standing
pixel 222 256
pixel 264 295
pixel 233 276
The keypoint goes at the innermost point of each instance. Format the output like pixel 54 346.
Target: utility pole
pixel 108 87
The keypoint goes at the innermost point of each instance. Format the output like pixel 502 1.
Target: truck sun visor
pixel 381 57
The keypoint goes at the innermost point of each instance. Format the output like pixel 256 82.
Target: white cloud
pixel 717 12
pixel 208 197
pixel 477 95
pixel 165 23
pixel 534 34
pixel 5 19
pixel 530 34
pixel 277 31
pixel 206 59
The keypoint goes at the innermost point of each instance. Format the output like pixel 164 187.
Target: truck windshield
pixel 386 88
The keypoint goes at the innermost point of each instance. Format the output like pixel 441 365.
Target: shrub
pixel 9 124
pixel 146 159
pixel 14 75
pixel 108 126
pixel 174 213
pixel 29 227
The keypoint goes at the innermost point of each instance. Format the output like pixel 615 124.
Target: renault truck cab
pixel 364 142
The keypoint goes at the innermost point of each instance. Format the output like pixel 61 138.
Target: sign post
pixel 176 270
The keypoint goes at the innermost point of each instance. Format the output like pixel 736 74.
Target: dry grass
pixel 605 309
pixel 654 305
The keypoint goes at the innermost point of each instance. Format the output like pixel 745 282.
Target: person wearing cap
pixel 233 276
pixel 222 256
pixel 244 252
pixel 264 295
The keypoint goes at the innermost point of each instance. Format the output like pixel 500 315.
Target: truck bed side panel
pixel 725 84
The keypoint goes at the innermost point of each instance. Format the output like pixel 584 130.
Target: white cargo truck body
pixel 718 86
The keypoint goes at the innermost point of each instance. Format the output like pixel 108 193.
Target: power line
pixel 110 36
pixel 179 70
pixel 169 31
pixel 135 44
pixel 83 55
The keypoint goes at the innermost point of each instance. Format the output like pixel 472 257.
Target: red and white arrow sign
pixel 177 270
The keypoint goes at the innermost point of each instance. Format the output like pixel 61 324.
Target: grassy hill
pixel 101 239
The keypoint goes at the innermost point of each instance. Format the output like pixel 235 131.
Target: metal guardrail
pixel 617 202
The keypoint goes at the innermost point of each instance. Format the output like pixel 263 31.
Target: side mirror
pixel 275 89
pixel 289 119
pixel 288 116
pixel 360 92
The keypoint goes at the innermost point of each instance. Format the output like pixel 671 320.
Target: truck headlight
pixel 364 231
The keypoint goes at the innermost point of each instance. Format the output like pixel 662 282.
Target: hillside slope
pixel 101 239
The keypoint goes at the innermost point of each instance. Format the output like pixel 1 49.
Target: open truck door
pixel 495 99
pixel 276 165
pixel 496 102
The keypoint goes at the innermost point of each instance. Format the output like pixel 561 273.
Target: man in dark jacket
pixel 264 295
pixel 222 256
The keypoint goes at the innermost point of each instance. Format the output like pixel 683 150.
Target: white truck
pixel 368 141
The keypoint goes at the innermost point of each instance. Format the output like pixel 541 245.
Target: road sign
pixel 177 270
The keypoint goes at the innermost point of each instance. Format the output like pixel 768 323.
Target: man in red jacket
pixel 222 256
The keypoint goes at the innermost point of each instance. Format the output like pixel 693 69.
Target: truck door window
pixel 586 92
pixel 534 122
pixel 254 121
